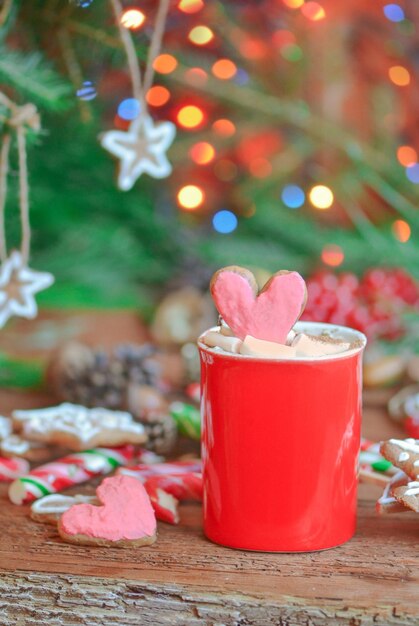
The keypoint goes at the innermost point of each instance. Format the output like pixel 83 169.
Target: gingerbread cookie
pixel 269 314
pixel 408 495
pixel 125 517
pixel 78 428
pixel 388 503
pixel 404 454
pixel 49 509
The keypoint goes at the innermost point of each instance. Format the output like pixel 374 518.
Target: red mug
pixel 280 445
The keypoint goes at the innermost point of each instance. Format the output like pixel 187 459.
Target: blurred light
pixel 260 167
pixel 190 197
pixel 242 77
pixel 190 116
pixel 224 69
pixel 132 19
pixel 157 96
pixel 84 3
pixel 225 170
pixel 223 127
pixel 87 91
pixel 190 6
pixel 313 11
pixel 293 196
pixel 412 173
pixel 250 211
pixel 201 35
pixel 253 48
pixel 196 76
pixel 224 222
pixel 401 230
pixel 291 52
pixel 129 109
pixel 332 255
pixel 283 37
pixel 394 12
pixel 407 155
pixel 293 4
pixel 165 63
pixel 202 153
pixel 321 197
pixel 399 75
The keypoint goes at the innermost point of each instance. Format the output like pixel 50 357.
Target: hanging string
pixel 139 89
pixel 20 118
pixel 4 171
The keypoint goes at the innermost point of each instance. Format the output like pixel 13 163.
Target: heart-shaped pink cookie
pixel 125 518
pixel 269 315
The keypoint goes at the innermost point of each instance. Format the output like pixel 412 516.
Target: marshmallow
pixel 267 349
pixel 316 346
pixel 226 330
pixel 214 339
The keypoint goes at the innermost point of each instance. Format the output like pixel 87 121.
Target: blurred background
pixel 296 147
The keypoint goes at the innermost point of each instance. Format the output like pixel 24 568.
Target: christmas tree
pixel 296 140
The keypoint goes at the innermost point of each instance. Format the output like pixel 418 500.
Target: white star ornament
pixel 18 285
pixel 141 149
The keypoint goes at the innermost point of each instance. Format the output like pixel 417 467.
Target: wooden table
pixel 184 580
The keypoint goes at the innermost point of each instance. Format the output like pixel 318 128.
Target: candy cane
pixel 144 470
pixel 68 471
pixel 11 468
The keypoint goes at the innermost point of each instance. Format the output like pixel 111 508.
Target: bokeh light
pixel 313 11
pixel 321 197
pixel 399 75
pixel 332 255
pixel 401 230
pixel 202 153
pixel 132 19
pixel 165 63
pixel 201 35
pixel 224 128
pixel 412 173
pixel 190 6
pixel 252 48
pixel 407 156
pixel 196 76
pixel 190 116
pixel 87 91
pixel 293 4
pixel 291 52
pixel 293 196
pixel 224 222
pixel 129 109
pixel 394 12
pixel 190 197
pixel 158 96
pixel 224 69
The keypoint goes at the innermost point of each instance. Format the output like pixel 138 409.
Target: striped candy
pixel 68 471
pixel 11 468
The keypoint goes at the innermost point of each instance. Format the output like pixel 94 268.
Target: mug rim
pixel 351 335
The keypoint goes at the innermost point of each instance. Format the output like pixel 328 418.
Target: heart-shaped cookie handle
pixel 269 314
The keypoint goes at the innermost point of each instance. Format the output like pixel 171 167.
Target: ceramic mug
pixel 280 445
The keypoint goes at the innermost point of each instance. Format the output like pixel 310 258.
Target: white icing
pixel 5 427
pixel 404 456
pixel 412 489
pixel 406 444
pixel 58 504
pixel 77 421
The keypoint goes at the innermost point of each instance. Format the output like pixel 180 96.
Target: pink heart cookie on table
pixel 124 519
pixel 269 314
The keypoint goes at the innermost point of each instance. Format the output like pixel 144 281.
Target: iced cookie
pixel 48 510
pixel 269 314
pixel 78 428
pixel 408 495
pixel 404 454
pixel 125 517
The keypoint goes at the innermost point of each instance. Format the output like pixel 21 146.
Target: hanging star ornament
pixel 18 285
pixel 141 149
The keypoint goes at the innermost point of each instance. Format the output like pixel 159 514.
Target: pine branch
pixel 34 79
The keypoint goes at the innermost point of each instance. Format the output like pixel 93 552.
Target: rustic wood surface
pixel 184 580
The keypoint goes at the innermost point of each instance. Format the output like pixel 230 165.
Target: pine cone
pixel 150 408
pixel 92 378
